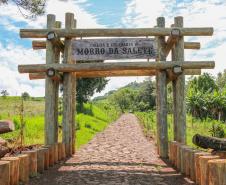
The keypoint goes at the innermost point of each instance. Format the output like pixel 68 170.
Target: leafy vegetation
pixel 93 119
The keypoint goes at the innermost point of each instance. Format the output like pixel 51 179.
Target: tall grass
pixel 93 119
pixel 194 126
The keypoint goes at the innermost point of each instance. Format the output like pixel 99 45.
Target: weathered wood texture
pixel 217 172
pixel 115 48
pixel 50 90
pixel 32 162
pixel 3 150
pixel 191 160
pixel 161 99
pixel 204 169
pixel 56 153
pixel 6 126
pixel 221 154
pixel 179 89
pixel 73 104
pixel 68 89
pixel 4 172
pixel 14 169
pixel 182 151
pixel 42 33
pixel 41 160
pixel 113 66
pixel 46 158
pixel 197 165
pixel 24 168
pixel 51 154
pixel 178 158
pixel 36 76
pixel 39 44
pixel 209 142
pixel 60 151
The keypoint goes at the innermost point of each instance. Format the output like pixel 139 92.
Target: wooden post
pixel 50 90
pixel 4 172
pixel 203 162
pixel 162 133
pixel 73 105
pixel 217 171
pixel 41 160
pixel 67 90
pixel 179 90
pixel 14 169
pixel 32 162
pixel 24 168
pixel 46 158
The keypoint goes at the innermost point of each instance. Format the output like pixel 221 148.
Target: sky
pixel 108 14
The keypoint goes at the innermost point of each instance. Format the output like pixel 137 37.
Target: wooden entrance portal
pixel 166 40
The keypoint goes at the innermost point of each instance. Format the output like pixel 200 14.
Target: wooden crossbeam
pixel 39 44
pixel 115 66
pixel 52 36
pixel 36 76
pixel 42 33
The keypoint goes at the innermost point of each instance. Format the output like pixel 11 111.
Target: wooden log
pixel 54 75
pixel 179 88
pixel 221 154
pixel 63 151
pixel 60 147
pixel 161 101
pixel 41 160
pixel 50 88
pixel 24 168
pixel 197 165
pixel 178 158
pixel 14 169
pixel 39 44
pixel 188 162
pixel 192 45
pixel 36 76
pixel 183 149
pixel 56 153
pixel 114 66
pixel 6 126
pixel 209 142
pixel 4 173
pixel 42 33
pixel 173 152
pixel 204 175
pixel 46 158
pixel 3 151
pixel 52 36
pixel 217 171
pixel 32 162
pixel 68 89
pixel 191 159
pixel 51 154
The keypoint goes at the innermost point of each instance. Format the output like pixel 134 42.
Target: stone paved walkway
pixel 120 155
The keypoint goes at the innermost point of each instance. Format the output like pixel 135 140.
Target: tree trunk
pixel 209 142
pixel 217 171
pixel 6 126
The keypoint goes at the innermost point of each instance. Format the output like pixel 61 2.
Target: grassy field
pixel 194 126
pixel 93 119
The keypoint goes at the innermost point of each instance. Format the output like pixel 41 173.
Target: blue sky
pixel 108 13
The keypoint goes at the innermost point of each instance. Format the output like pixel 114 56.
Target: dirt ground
pixel 120 155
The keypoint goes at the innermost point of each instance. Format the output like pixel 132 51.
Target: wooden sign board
pixel 115 48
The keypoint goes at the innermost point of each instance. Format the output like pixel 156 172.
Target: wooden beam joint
pixel 52 37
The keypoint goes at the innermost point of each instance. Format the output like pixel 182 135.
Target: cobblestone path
pixel 120 155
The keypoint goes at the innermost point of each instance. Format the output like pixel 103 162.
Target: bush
pixel 217 130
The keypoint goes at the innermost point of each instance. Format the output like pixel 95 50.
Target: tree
pixel 221 80
pixel 4 93
pixel 28 8
pixel 86 87
pixel 25 96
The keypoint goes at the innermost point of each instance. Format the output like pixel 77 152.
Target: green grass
pixel 194 126
pixel 94 119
